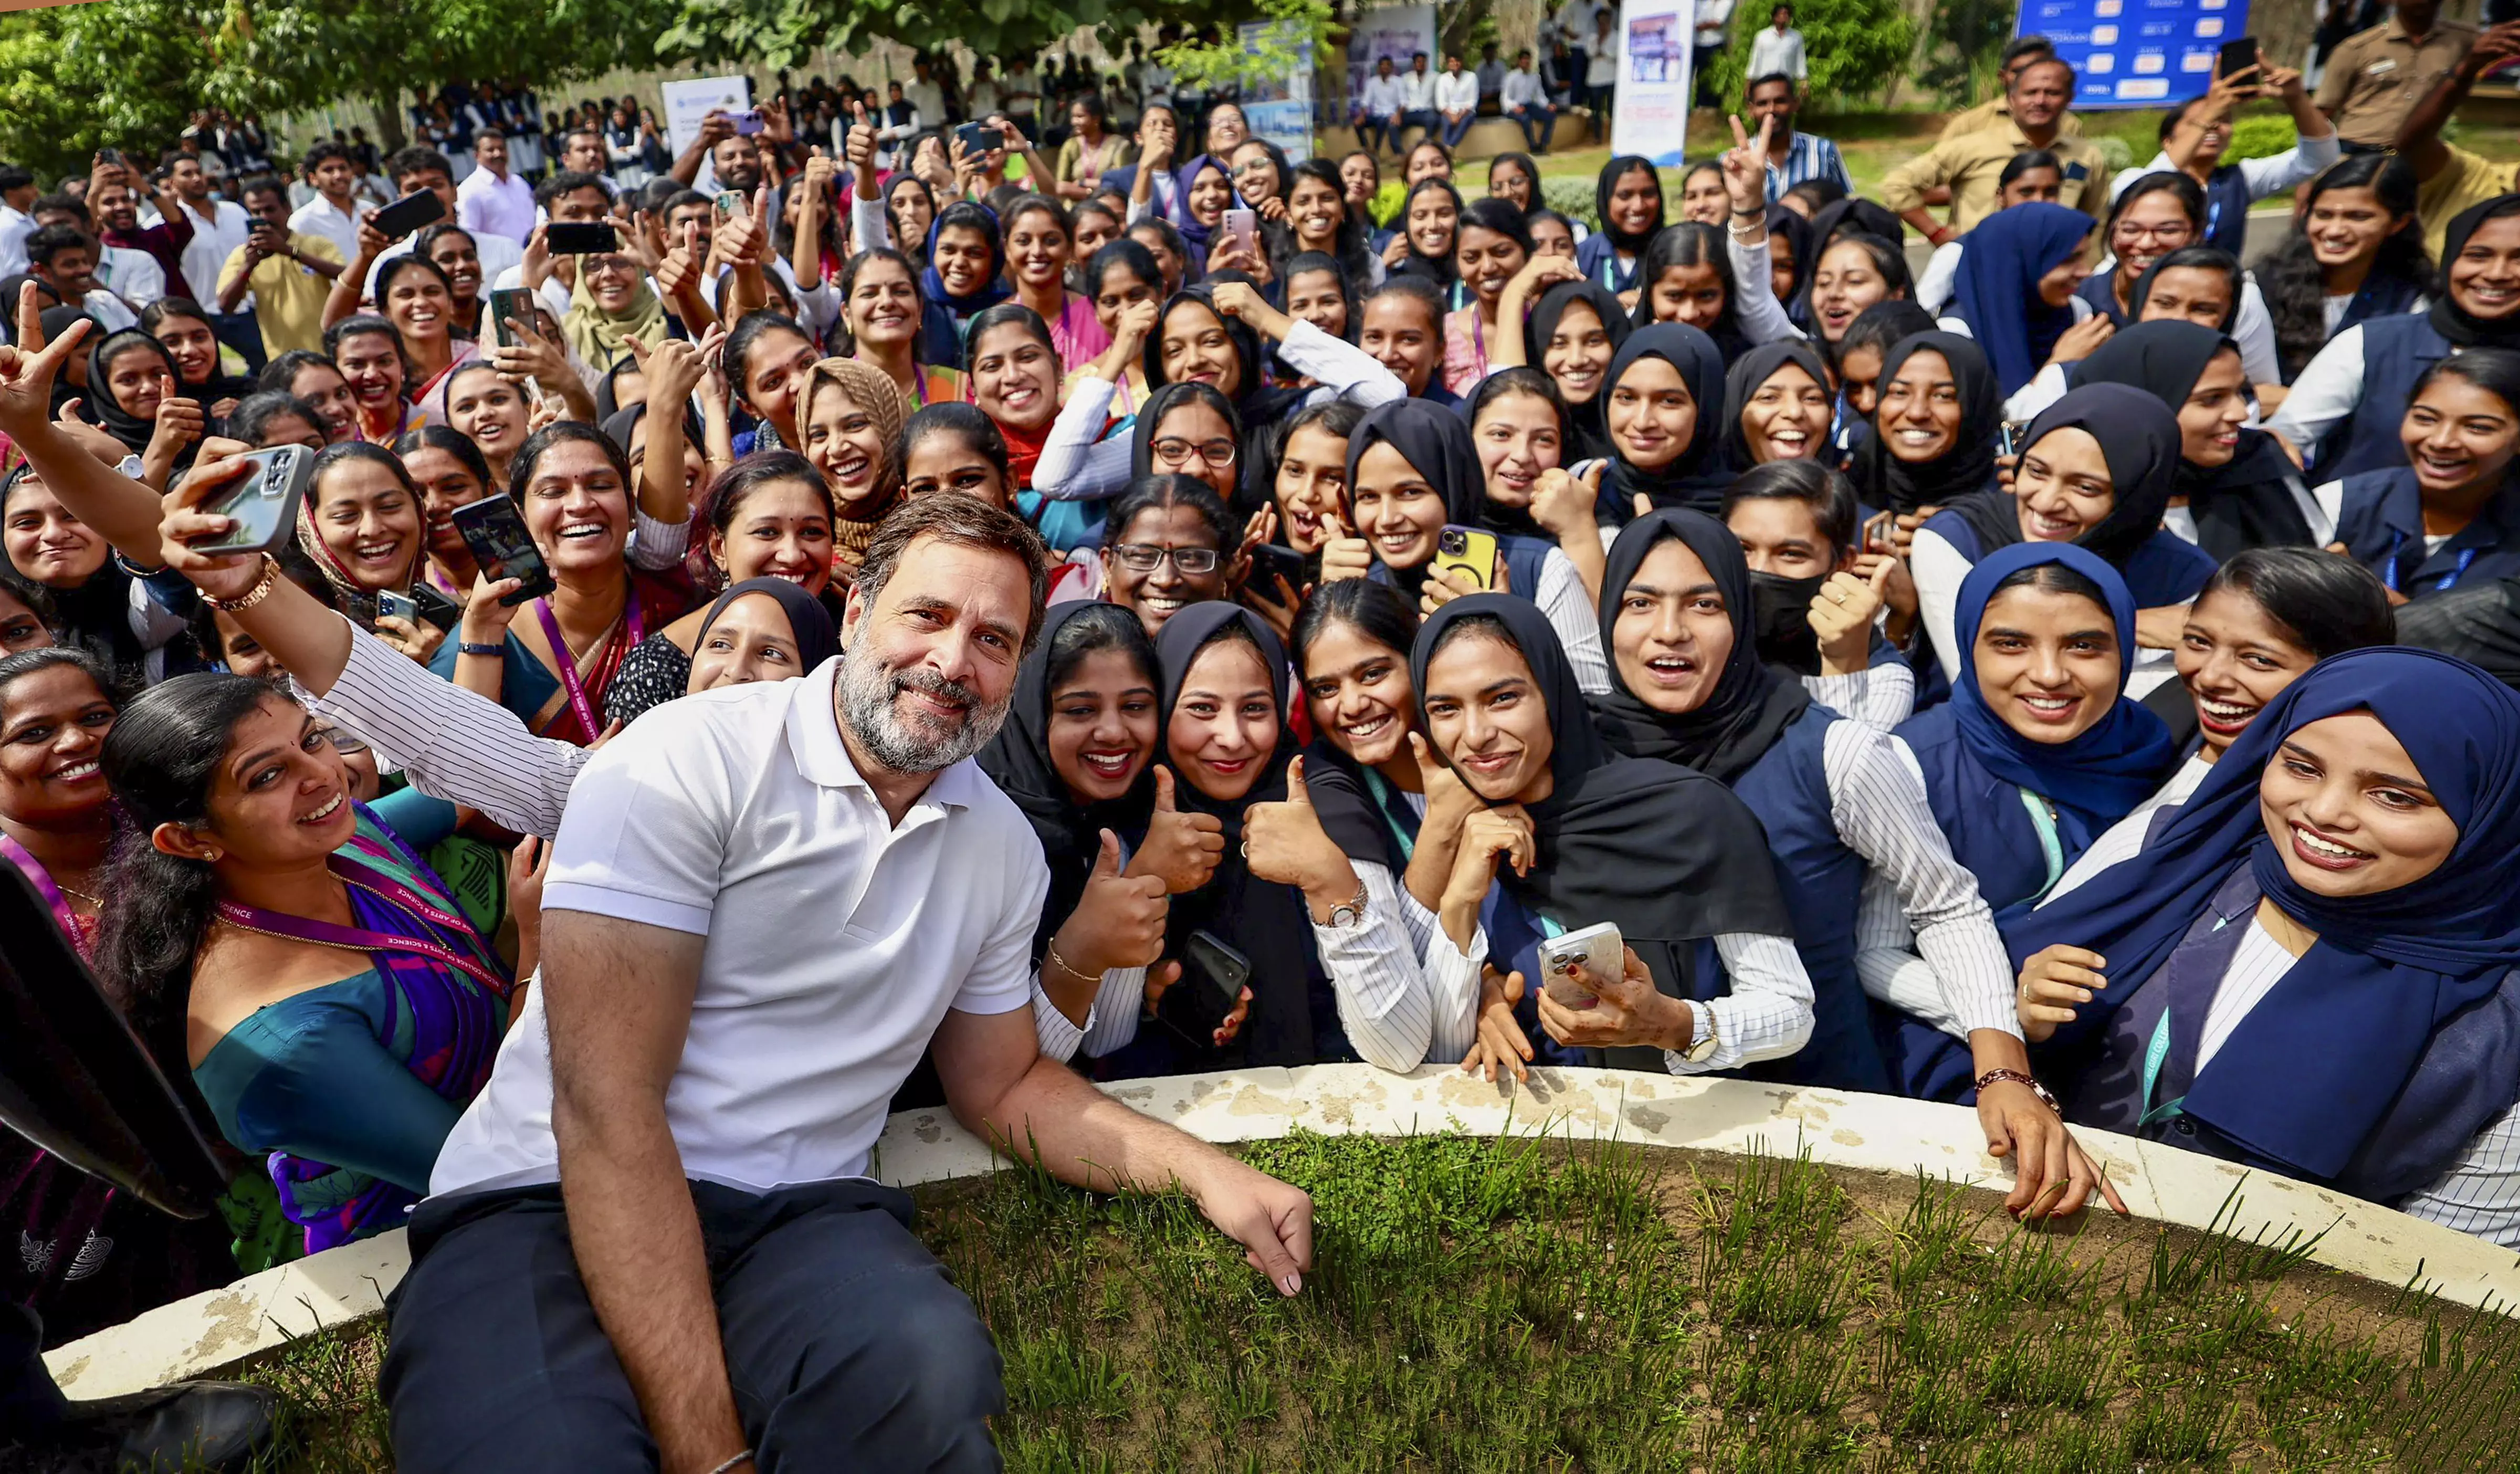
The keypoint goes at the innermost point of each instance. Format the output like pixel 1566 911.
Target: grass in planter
pixel 1527 1305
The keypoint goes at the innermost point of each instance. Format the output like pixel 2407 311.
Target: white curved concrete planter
pixel 211 1332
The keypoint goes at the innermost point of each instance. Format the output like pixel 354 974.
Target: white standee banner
pixel 689 100
pixel 1651 113
pixel 1280 110
pixel 1396 31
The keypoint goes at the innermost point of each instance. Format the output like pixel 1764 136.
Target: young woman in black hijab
pixel 1936 414
pixel 1776 401
pixel 1578 836
pixel 1412 472
pixel 2104 487
pixel 1627 198
pixel 2235 486
pixel 1076 756
pixel 1571 335
pixel 129 376
pixel 1665 413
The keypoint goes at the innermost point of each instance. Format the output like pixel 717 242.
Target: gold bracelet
pixel 260 591
pixel 1069 968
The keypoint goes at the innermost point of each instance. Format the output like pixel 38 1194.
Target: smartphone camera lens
pixel 1452 542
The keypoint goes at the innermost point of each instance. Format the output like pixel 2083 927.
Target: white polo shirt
pixel 836 942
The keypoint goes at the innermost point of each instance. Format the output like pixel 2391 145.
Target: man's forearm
pixel 233 290
pixel 1054 1118
pixel 637 1240
pixel 2421 133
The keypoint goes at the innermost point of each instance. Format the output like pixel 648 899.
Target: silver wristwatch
pixel 1701 1034
pixel 1349 914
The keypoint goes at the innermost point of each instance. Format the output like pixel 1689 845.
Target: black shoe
pixel 190 1426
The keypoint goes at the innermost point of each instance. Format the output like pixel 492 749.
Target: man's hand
pixel 1183 849
pixel 1272 1221
pixel 1626 1010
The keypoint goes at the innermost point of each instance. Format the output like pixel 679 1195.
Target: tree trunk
pixel 387 101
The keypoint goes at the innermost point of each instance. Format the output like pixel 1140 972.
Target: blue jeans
pixel 1457 128
pixel 1423 118
pixel 1375 134
pixel 1537 120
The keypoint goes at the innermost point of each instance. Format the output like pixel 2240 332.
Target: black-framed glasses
pixel 1175 451
pixel 1143 558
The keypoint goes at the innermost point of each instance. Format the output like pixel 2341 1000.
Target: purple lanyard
pixel 569 681
pixel 45 886
pixel 360 938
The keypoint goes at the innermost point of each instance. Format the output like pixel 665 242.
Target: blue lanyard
pixel 2213 217
pixel 2389 575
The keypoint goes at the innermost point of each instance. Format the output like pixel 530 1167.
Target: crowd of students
pixel 1997 687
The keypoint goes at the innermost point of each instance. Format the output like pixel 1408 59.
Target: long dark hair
pixel 1381 612
pixel 1689 242
pixel 726 495
pixel 160 759
pixel 2295 287
pixel 1349 248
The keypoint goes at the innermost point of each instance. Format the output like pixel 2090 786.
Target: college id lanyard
pixel 571 682
pixel 2389 575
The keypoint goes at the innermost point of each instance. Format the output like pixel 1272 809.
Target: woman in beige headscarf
pixel 850 417
pixel 611 301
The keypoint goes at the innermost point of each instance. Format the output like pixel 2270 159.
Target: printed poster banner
pixel 2137 53
pixel 689 100
pixel 1280 110
pixel 1650 115
pixel 1397 32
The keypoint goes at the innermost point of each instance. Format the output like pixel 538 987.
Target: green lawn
pixel 1531 1306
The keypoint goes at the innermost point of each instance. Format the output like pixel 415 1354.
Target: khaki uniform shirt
pixel 2466 179
pixel 2376 77
pixel 1996 113
pixel 1972 163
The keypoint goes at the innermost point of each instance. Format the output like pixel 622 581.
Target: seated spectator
pixel 2452 512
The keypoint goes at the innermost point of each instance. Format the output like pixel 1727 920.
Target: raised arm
pixel 116 506
pixel 2420 136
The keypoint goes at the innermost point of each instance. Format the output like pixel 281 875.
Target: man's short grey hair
pixel 965 521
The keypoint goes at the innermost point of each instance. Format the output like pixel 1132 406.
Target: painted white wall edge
pixel 214 1331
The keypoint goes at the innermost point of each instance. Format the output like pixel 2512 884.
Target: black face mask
pixel 1780 617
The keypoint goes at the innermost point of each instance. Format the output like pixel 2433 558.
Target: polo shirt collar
pixel 822 758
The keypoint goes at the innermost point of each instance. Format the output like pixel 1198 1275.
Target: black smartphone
pixel 512 305
pixel 114 156
pixel 495 532
pixel 2238 54
pixel 1213 974
pixel 408 214
pixel 977 140
pixel 1269 564
pixel 434 608
pixel 263 500
pixel 582 238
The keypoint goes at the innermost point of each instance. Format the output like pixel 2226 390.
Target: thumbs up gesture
pixel 1182 849
pixel 1284 843
pixel 1118 922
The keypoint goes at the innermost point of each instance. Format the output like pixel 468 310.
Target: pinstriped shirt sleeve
pixel 454 745
pixel 1375 973
pixel 1763 319
pixel 1453 987
pixel 1878 800
pixel 866 219
pixel 1561 596
pixel 1110 1021
pixel 1878 696
pixel 2481 1194
pixel 1768 1014
pixel 657 545
pixel 1075 465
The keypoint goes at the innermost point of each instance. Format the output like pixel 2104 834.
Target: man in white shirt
pixel 1714 23
pixel 765 903
pixel 17 197
pixel 1526 103
pixel 1416 103
pixel 1778 51
pixel 63 258
pixel 923 93
pixel 980 97
pixel 1378 107
pixel 492 200
pixel 1457 100
pixel 335 211
pixel 219 226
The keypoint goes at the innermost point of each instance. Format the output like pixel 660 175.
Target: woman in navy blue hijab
pixel 2038 750
pixel 2309 968
pixel 2002 290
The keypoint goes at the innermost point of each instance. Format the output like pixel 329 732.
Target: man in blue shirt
pixel 1793 156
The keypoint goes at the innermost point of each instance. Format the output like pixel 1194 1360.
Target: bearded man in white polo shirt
pixel 652 1243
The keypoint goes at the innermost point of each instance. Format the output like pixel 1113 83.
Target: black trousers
pixel 846 1345
pixel 30 1404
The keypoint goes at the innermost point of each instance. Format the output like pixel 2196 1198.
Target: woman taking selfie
pixel 769 517
pixel 360 525
pixel 553 669
pixel 247 896
pixel 2347 406
pixel 2319 885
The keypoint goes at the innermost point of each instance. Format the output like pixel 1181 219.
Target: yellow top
pixel 2466 179
pixel 287 297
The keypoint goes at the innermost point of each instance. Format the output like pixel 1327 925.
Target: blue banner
pixel 2136 53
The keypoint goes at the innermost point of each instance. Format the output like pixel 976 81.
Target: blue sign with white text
pixel 2136 53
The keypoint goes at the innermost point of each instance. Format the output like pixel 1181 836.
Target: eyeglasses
pixel 2175 230
pixel 1142 557
pixel 343 743
pixel 1177 452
